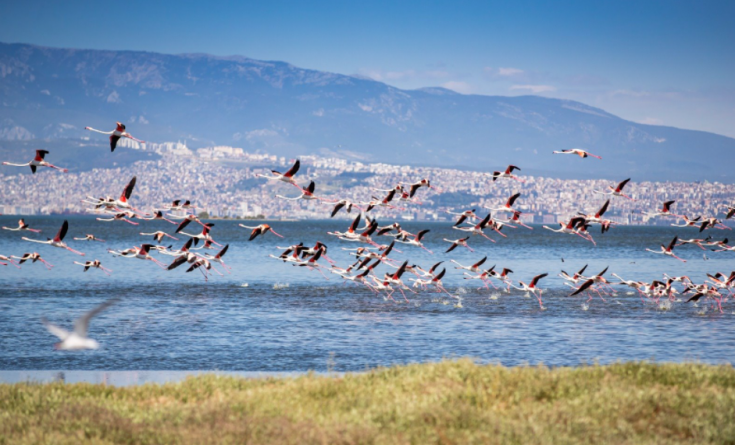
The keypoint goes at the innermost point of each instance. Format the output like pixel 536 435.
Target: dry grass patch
pixel 451 402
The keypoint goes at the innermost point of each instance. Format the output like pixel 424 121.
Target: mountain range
pixel 49 95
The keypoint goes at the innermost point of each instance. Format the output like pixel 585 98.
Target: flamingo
pixel 712 222
pixel 157 215
pixel 617 190
pixel 38 161
pixel 436 282
pixel 96 264
pixel 532 288
pixel 569 227
pixel 350 232
pixel 688 222
pixel 116 204
pixel 464 215
pixel 516 218
pixel 597 217
pixel 121 216
pixel 158 236
pixel 363 237
pixel 508 173
pixel 415 241
pixel 33 257
pixel 22 225
pixel 346 204
pixel 412 188
pixel 287 177
pixel 730 212
pixel 381 202
pixel 204 235
pixel 183 251
pixel 665 210
pixel 574 279
pixel 669 250
pixel 477 229
pixel 77 339
pixel 261 229
pixel 458 242
pixel 115 135
pixel 218 257
pixel 577 151
pixel 473 268
pixel 307 194
pixel 58 240
pixel 508 206
pixel 144 254
pixel 89 237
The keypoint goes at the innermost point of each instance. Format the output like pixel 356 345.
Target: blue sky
pixel 660 62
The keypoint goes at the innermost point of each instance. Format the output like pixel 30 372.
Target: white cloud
pixel 458 86
pixel 535 89
pixel 509 72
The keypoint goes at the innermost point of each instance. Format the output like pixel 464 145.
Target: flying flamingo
pixel 577 151
pixel 77 339
pixel 89 237
pixel 508 206
pixel 115 135
pixel 458 242
pixel 464 215
pixel 261 229
pixel 665 210
pixel 477 229
pixel 218 257
pixel 116 204
pixel 58 240
pixel 516 218
pixel 415 241
pixel 158 236
pixel 307 194
pixel 668 250
pixel 96 264
pixel 422 183
pixel 473 268
pixel 158 214
pixel 569 227
pixel 38 161
pixel 508 173
pixel 204 235
pixel 287 177
pixel 121 216
pixel 576 278
pixel 532 288
pixel 346 204
pixel 688 222
pixel 9 259
pixel 22 225
pixel 33 257
pixel 597 217
pixel 617 190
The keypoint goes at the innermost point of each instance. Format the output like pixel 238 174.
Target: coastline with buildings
pixel 221 181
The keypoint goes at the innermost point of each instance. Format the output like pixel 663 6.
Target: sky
pixel 657 62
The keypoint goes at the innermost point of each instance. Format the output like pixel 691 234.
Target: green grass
pixel 452 402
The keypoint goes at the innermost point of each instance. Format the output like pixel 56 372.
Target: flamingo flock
pixel 372 253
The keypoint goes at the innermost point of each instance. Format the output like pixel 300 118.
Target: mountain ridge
pixel 280 108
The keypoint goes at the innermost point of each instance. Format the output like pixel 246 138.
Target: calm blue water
pixel 171 320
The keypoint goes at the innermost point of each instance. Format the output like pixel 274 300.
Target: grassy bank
pixel 452 402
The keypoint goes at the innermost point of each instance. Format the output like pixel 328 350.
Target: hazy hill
pixel 53 93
